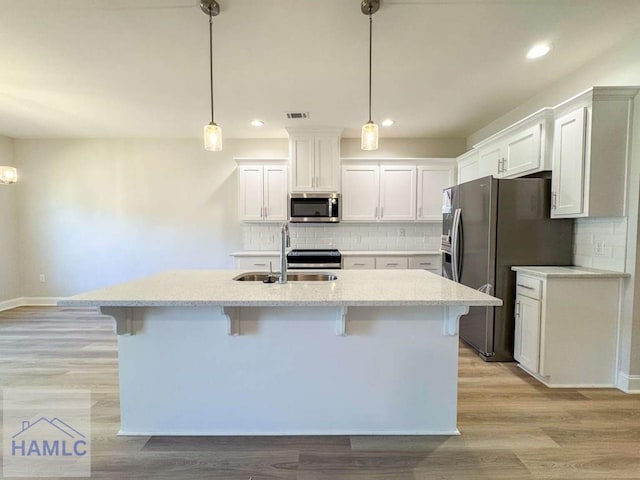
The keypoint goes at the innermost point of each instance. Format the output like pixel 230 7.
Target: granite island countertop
pixel 352 288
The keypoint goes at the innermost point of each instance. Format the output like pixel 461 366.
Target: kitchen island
pixel 372 352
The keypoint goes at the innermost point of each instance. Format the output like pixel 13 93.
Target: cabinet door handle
pixel 261 212
pixel 525 286
pixel 553 200
pixel 517 309
pixel 420 212
pixel 381 212
pixel 376 214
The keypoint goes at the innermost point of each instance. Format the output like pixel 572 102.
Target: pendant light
pixel 370 129
pixel 212 132
pixel 8 175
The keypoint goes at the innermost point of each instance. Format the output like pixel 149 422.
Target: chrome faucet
pixel 285 242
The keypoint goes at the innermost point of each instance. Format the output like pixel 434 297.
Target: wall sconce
pixel 8 175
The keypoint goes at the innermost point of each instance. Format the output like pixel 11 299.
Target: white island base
pixel 294 370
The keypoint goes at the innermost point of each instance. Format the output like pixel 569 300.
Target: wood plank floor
pixel 512 426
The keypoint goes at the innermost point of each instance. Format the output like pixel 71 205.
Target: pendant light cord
pixel 370 50
pixel 211 60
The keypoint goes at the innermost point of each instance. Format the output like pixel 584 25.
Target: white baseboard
pixel 29 302
pixel 628 383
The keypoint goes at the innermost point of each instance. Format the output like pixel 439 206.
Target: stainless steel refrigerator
pixel 488 226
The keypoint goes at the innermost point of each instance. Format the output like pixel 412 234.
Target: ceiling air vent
pixel 297 115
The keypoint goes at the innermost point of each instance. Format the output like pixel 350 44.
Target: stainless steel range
pixel 314 259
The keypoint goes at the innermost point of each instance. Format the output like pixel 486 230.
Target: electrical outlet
pixel 42 278
pixel 600 249
pixel 402 232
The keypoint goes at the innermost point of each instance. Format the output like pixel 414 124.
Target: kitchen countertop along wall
pixel 353 253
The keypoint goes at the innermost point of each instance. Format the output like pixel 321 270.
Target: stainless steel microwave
pixel 314 207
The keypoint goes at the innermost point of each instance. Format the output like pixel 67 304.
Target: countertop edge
pixel 568 272
pixel 345 253
pixel 207 303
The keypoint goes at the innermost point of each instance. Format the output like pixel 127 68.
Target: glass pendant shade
pixel 8 175
pixel 212 137
pixel 369 136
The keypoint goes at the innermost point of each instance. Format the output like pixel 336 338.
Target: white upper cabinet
pixel 250 198
pixel 360 193
pixel 431 181
pixel 520 149
pixel 397 193
pixel 468 166
pixel 591 153
pixel 568 174
pixel 315 160
pixel 262 191
pixel 490 160
pixel 522 152
pixel 378 193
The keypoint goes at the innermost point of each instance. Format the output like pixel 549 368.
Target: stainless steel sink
pixel 267 277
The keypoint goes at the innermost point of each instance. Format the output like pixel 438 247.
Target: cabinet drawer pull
pixel 359 264
pixel 393 264
pixel 525 286
pixel 260 264
pixel 425 263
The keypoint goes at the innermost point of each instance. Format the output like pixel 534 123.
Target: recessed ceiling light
pixel 257 123
pixel 538 51
pixel 387 122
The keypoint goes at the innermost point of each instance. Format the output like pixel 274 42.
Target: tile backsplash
pixel 409 236
pixel 600 243
pixel 597 242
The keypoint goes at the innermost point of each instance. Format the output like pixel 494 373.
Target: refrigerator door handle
pixel 455 242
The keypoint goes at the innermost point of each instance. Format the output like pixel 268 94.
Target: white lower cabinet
pixel 527 333
pixel 431 263
pixel 566 326
pixel 392 263
pixel 358 263
pixel 258 263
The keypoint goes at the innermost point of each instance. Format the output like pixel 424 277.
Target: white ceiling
pixel 139 68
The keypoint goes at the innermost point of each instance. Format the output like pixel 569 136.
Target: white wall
pixel 9 253
pixel 619 66
pixel 406 147
pixel 98 212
